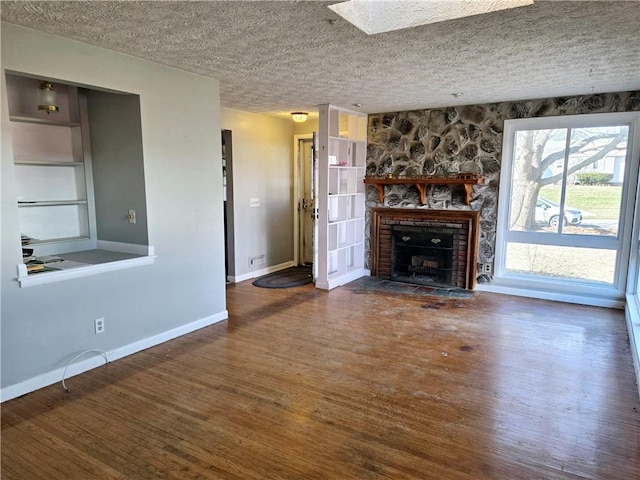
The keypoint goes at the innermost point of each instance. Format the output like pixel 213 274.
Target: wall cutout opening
pixel 79 172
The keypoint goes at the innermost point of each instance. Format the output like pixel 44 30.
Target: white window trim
pixel 589 293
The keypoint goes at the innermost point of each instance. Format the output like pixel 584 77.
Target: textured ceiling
pixel 278 57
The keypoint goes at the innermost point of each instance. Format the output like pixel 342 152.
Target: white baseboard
pixel 632 314
pixel 130 248
pixel 555 296
pixel 342 279
pixel 81 366
pixel 259 273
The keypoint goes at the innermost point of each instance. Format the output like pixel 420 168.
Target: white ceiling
pixel 285 56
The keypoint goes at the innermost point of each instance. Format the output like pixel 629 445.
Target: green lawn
pixel 595 201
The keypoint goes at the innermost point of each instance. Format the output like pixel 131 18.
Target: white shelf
pixel 55 240
pixel 42 121
pixel 48 163
pixel 51 203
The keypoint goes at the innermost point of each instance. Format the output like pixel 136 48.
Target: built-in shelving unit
pixel 53 174
pixel 342 143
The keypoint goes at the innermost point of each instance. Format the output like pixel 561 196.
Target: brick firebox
pixel 461 226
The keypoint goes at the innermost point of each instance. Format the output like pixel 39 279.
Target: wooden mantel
pixel 421 182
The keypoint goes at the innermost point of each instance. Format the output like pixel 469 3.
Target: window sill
pixel 85 264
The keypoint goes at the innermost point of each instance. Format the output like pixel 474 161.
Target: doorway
pixel 227 189
pixel 306 209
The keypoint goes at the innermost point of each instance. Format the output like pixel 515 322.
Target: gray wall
pixel 118 166
pixel 44 326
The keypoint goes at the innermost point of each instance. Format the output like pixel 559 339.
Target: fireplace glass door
pixel 424 256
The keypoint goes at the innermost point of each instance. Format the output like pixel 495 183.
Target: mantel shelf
pixel 421 182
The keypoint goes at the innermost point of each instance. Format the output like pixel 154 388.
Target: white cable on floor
pixel 64 374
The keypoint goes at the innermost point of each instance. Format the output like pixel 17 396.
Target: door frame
pixel 228 214
pixel 296 193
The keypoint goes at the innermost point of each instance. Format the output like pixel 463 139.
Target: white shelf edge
pixel 337 222
pixel 79 272
pixel 42 121
pixel 49 241
pixel 345 246
pixel 46 163
pixel 52 203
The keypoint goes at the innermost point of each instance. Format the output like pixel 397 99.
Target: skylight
pixel 379 16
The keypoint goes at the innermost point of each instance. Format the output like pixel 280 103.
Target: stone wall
pixel 462 139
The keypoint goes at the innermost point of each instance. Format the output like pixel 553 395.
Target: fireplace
pixel 425 247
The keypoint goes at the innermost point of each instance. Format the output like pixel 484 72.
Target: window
pixel 566 203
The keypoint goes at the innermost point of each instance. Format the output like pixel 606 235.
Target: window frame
pixel 622 243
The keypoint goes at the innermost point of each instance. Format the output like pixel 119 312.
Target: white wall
pixel 44 326
pixel 262 168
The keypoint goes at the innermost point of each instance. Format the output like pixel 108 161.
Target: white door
pixel 306 208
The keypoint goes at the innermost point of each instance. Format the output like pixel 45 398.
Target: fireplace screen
pixel 424 246
pixel 424 256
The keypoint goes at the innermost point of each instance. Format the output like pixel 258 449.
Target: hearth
pixel 425 247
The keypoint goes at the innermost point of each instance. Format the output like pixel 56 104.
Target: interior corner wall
pixel 45 326
pixel 262 172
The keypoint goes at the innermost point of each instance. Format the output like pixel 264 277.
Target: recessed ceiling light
pixel 380 16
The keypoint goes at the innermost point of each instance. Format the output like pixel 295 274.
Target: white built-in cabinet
pixel 52 169
pixel 342 154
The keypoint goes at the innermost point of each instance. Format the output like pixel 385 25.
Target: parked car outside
pixel 549 212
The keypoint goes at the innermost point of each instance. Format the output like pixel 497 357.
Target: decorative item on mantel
pixel 421 181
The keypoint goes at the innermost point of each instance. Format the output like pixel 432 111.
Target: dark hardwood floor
pixel 308 384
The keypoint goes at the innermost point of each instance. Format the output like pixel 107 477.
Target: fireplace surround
pixel 424 246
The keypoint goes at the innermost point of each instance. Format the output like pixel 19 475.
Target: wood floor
pixel 308 384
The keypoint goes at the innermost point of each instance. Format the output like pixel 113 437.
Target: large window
pixel 566 203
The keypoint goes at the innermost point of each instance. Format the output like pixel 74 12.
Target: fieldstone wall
pixel 462 139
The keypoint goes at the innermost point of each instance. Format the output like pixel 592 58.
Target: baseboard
pixel 342 279
pixel 632 315
pixel 81 366
pixel 555 296
pixel 131 248
pixel 259 273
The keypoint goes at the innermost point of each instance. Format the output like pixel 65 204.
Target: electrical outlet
pixel 99 324
pixel 486 268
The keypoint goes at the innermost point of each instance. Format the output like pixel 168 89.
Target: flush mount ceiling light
pixel 379 16
pixel 299 117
